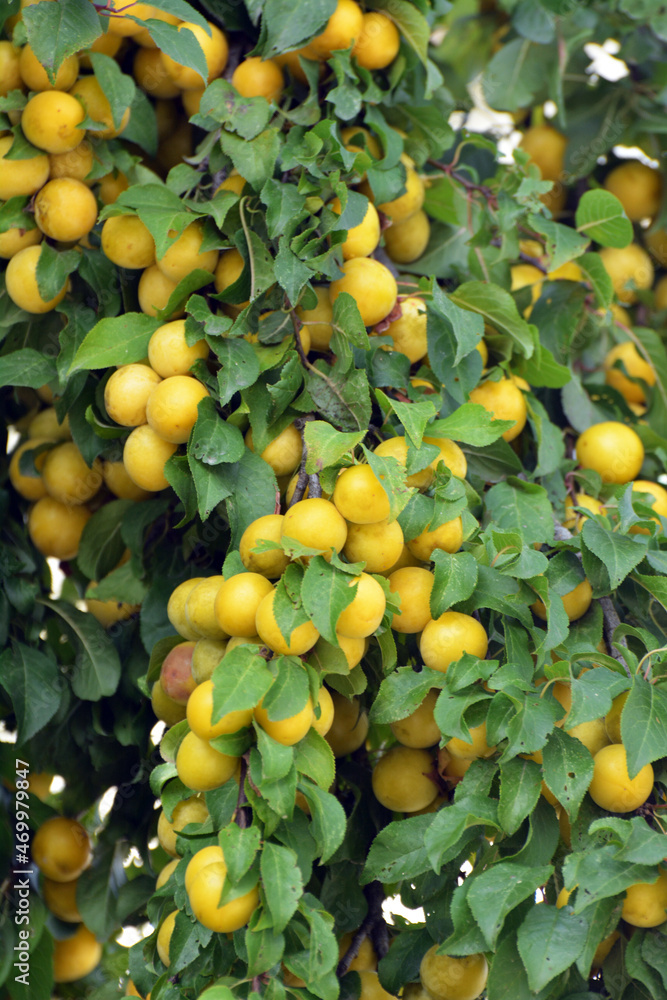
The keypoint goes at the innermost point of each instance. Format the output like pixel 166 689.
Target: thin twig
pixel 240 816
pixel 448 168
pixel 251 259
pixel 305 480
pixel 372 927
pixel 611 623
pixel 296 322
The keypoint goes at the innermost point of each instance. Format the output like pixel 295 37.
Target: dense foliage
pixel 346 428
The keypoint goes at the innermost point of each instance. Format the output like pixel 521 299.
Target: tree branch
pixel 374 926
pixel 611 623
pixel 240 816
pixel 311 482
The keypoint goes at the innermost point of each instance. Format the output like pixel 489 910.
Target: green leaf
pixel 402 692
pixel 247 116
pixel 455 579
pixel 326 446
pixel 568 770
pixel 120 585
pixel 562 242
pixel 290 690
pixel 472 424
pixel 118 87
pixel 447 834
pixel 290 271
pixel 498 890
pixel 239 367
pixel 255 159
pixel 498 309
pixel 161 211
pixel 102 545
pixel 601 217
pixel 282 882
pixel 638 843
pixel 507 976
pixel 326 592
pixel 239 848
pixel 118 340
pixel 98 668
pixel 411 23
pixel 253 491
pixel 520 788
pixel 289 24
pixel 413 416
pixel 27 367
pixel 644 724
pixel 593 693
pixel 398 852
pixel 392 477
pixel 516 75
pixel 211 483
pixel 516 505
pixel 35 686
pixel 265 950
pixel 180 45
pixel 215 441
pixel 347 318
pixel 328 819
pixel 315 758
pixel 342 397
pixel 61 29
pixel 600 873
pixel 549 940
pixel 240 681
pixel 14 216
pixel 607 556
pixel 597 274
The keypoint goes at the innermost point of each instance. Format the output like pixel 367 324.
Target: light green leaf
pixel 601 217
pixel 56 31
pixel 116 340
pixel 472 424
pixel 282 883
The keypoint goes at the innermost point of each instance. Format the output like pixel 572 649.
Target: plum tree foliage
pixel 333 379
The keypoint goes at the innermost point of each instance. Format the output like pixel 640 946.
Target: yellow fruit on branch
pixel 636 367
pixel 445 640
pixel 204 896
pixel 401 779
pixel 637 187
pixel 612 449
pixel 445 977
pixel 629 268
pixel 576 602
pixel 61 849
pixel 371 285
pixel 75 957
pixel 611 786
pixel 504 401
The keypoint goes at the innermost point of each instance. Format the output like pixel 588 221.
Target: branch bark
pixel 374 926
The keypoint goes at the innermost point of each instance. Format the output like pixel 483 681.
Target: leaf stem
pixel 251 259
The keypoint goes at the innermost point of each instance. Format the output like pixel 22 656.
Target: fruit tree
pixel 334 500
